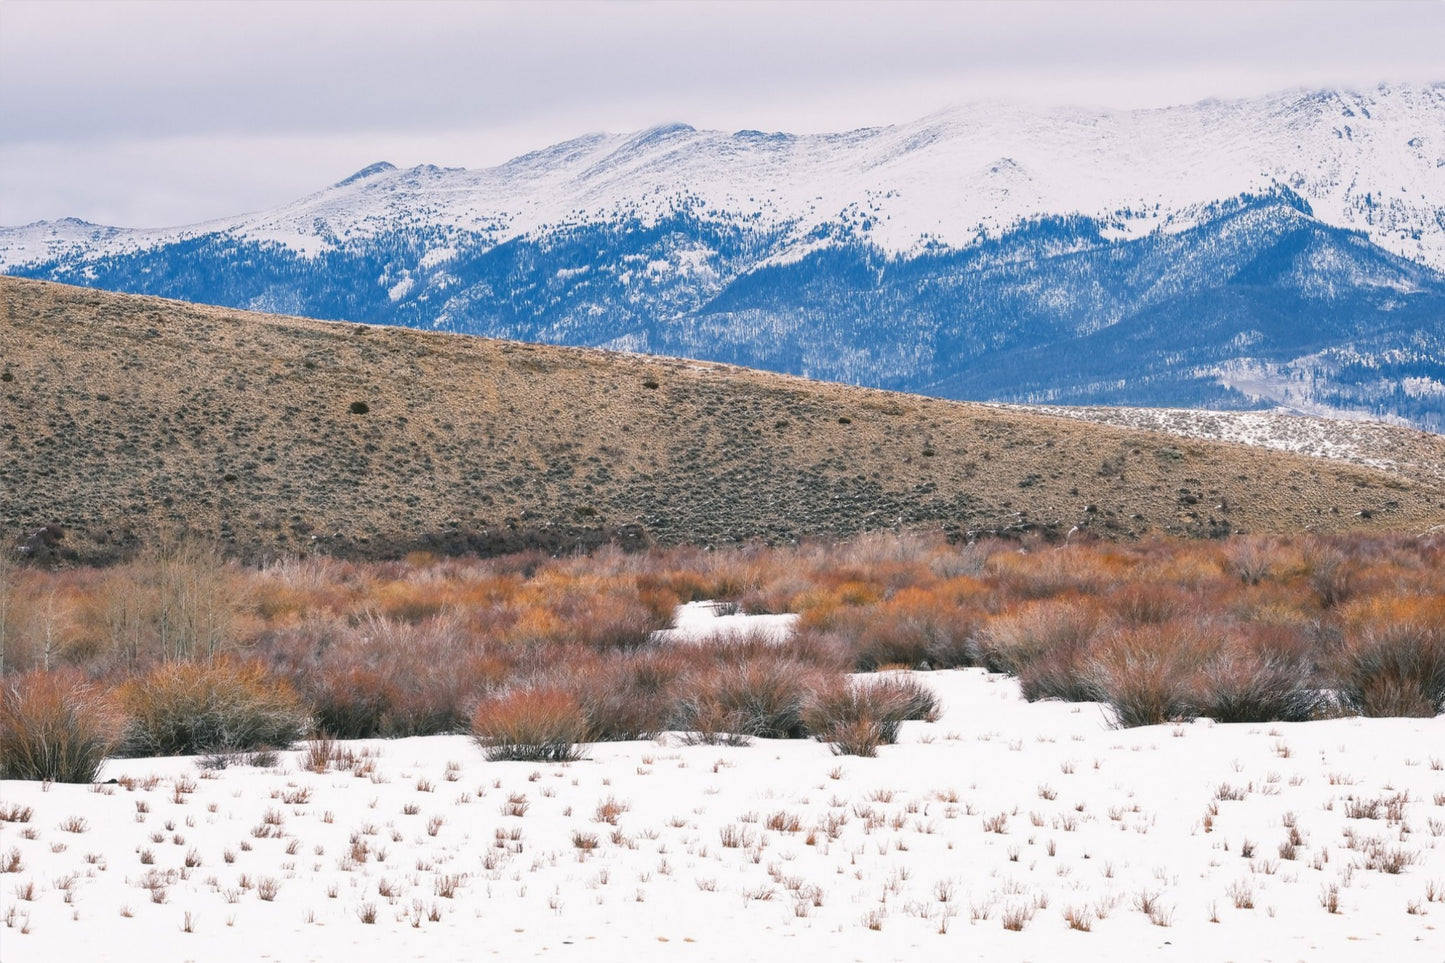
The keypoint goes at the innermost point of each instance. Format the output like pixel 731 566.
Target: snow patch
pixel 437 256
pixel 401 288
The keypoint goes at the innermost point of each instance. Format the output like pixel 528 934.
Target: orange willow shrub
pixel 1050 572
pixel 55 726
pixel 185 708
pixel 915 627
pixel 410 647
pixel 531 725
pixel 1391 658
pixel 822 606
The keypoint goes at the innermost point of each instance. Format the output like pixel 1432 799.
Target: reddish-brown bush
pixel 531 725
pixel 1057 628
pixel 351 701
pixel 1062 672
pixel 1147 604
pixel 1052 572
pixel 55 726
pixel 1240 684
pixel 916 628
pixel 608 616
pixel 763 697
pixel 407 647
pixel 379 677
pixel 856 716
pixel 1147 673
pixel 184 708
pixel 1391 660
pixel 624 695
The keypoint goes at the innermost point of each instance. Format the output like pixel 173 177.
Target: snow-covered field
pixel 1171 840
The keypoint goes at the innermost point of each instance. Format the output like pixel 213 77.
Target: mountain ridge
pixel 1296 232
pixel 977 138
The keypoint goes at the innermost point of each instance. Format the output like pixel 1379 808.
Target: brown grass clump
pixel 531 725
pixel 55 726
pixel 187 708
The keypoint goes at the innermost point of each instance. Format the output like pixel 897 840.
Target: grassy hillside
pixel 121 416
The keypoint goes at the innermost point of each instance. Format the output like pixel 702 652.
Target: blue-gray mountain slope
pixel 1052 310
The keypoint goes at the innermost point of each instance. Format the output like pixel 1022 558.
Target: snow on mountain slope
pixel 1413 454
pixel 1372 161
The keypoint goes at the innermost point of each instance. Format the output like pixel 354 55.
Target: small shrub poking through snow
pixel 531 725
pixel 858 717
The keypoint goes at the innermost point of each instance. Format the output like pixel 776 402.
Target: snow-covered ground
pixel 1374 444
pixel 703 622
pixel 1190 842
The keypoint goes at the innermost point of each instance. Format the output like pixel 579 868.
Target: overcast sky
pixel 161 113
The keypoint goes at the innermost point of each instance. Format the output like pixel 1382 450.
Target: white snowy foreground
pixel 1161 843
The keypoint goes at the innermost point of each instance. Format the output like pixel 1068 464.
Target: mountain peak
pixel 371 170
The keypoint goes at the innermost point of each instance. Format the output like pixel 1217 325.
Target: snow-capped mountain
pixel 1286 250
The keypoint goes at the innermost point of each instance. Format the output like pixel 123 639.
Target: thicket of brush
pixel 179 651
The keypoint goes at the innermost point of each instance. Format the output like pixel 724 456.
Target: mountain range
pixel 1282 251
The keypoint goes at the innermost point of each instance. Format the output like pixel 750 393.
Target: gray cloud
pixel 166 112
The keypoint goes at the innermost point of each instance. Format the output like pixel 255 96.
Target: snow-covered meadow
pixel 1002 830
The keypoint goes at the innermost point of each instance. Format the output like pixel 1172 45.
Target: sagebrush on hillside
pixel 275 436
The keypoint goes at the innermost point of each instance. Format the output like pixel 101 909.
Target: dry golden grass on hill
pixel 124 415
